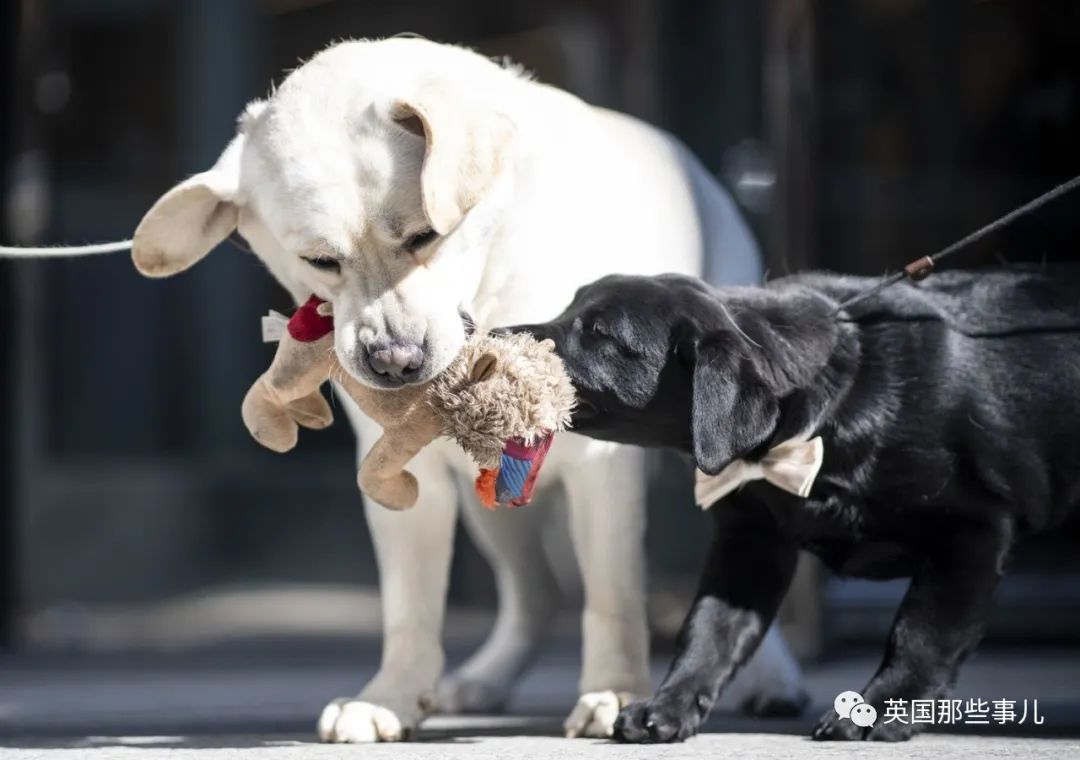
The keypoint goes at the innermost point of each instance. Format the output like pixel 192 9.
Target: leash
pixel 45 252
pixel 65 250
pixel 923 267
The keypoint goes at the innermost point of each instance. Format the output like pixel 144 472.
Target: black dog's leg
pixel 749 567
pixel 939 623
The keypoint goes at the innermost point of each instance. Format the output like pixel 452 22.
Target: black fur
pixel 950 416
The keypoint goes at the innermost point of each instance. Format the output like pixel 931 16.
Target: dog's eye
pixel 592 326
pixel 324 263
pixel 415 242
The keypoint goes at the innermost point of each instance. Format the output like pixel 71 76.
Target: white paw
pixel 594 714
pixel 350 721
pixel 458 694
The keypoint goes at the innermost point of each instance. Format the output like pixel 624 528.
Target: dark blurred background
pixel 137 513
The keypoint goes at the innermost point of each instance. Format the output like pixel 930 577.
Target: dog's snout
pixel 399 360
pixel 467 322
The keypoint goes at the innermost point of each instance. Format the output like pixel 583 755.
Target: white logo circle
pixel 863 715
pixel 845 701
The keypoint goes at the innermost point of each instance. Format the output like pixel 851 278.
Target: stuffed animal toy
pixel 502 400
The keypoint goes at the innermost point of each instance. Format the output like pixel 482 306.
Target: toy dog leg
pixel 287 394
pixel 312 411
pixel 382 474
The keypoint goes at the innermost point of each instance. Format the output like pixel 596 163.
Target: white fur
pixel 537 193
pixel 594 715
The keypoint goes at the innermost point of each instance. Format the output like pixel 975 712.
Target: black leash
pixel 923 267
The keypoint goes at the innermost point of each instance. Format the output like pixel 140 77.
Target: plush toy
pixel 502 400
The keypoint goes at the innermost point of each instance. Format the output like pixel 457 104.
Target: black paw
pixel 765 706
pixel 659 720
pixel 833 728
pixel 894 731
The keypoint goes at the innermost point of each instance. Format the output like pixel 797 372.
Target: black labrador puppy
pixel 950 419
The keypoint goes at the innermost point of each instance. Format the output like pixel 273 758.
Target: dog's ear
pixel 484 367
pixel 733 411
pixel 189 220
pixel 466 148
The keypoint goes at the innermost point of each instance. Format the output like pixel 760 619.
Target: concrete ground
pixel 742 746
pixel 260 701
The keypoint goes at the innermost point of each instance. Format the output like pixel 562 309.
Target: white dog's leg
pixel 607 510
pixel 528 600
pixel 770 683
pixel 413 550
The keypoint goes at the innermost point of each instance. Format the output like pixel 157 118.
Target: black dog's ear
pixel 733 410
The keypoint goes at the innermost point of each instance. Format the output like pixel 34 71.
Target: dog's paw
pixel 594 714
pixel 459 694
pixel 352 721
pixel 661 719
pixel 832 728
pixel 894 731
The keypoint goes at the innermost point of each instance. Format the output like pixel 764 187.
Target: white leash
pixel 64 250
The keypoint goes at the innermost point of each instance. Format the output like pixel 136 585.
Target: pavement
pixel 260 700
pixel 742 746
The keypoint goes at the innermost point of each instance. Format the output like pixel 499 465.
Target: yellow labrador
pixel 409 182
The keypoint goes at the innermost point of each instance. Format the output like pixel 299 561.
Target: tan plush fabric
pixel 502 387
pixel 499 387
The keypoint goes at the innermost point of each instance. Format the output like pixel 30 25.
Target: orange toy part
pixel 485 487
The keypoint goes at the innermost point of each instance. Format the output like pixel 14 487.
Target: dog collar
pixel 791 466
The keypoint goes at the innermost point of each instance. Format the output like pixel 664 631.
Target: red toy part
pixel 485 487
pixel 307 324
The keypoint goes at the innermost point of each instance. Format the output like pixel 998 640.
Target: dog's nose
pixel 400 360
